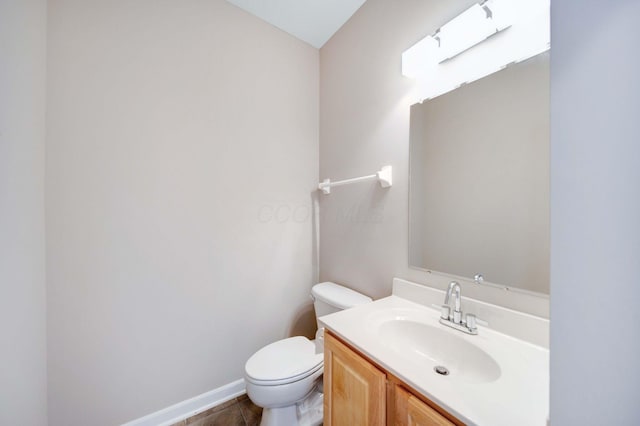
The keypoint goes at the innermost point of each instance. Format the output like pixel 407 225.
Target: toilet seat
pixel 284 361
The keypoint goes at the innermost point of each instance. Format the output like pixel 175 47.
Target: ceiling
pixel 312 21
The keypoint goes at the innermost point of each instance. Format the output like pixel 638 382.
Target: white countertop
pixel 519 396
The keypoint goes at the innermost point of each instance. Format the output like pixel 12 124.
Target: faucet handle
pixel 444 310
pixel 472 321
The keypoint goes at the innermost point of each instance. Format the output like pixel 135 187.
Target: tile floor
pixel 237 412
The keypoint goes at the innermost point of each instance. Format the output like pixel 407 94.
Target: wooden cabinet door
pixel 354 390
pixel 411 411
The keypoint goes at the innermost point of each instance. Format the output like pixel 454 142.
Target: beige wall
pixel 364 124
pixel 23 377
pixel 183 156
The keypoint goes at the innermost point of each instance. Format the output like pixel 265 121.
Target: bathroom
pixel 159 214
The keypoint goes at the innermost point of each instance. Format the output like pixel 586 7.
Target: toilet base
pixel 283 416
pixel 307 412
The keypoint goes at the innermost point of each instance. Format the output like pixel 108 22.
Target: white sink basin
pixel 494 380
pixel 432 346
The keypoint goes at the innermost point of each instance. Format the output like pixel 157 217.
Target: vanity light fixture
pixel 473 26
pixel 420 58
pixel 482 40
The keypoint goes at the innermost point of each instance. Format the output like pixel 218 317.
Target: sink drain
pixel 444 371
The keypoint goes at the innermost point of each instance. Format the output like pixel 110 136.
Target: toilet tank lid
pixel 338 296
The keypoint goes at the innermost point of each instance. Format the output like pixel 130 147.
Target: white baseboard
pixel 191 407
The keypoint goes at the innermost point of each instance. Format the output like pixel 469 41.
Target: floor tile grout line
pixel 244 419
pixel 238 403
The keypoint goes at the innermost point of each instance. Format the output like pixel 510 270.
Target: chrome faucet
pixel 454 290
pixel 454 318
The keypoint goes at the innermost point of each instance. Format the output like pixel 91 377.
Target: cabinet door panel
pixel 354 389
pixel 411 411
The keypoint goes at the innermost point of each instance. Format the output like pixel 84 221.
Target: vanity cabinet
pixel 411 411
pixel 354 389
pixel 357 392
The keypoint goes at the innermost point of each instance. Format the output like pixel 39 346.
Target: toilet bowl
pixel 284 377
pixel 280 375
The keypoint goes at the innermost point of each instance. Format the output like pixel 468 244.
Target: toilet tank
pixel 330 297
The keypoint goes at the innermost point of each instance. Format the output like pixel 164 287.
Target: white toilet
pixel 285 377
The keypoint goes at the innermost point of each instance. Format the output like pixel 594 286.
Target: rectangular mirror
pixel 479 184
